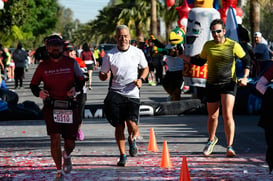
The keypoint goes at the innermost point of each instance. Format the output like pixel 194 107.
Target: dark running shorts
pixel 213 92
pixel 151 66
pixel 173 80
pixel 68 131
pixel 90 66
pixel 118 108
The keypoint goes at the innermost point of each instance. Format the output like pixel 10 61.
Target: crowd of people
pixel 66 73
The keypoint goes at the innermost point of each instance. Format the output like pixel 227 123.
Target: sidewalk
pixel 25 153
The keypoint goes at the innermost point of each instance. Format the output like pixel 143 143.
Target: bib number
pixel 63 116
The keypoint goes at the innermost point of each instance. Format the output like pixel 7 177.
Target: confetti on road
pixel 92 165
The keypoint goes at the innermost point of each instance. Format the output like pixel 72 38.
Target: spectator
pixel 260 49
pixel 81 96
pixel 158 64
pixel 265 87
pixel 102 53
pixel 41 52
pixel 243 35
pixel 8 62
pixel 173 78
pixel 261 55
pixel 90 62
pixel 97 56
pixel 148 51
pixel 11 68
pixel 19 57
pixel 3 58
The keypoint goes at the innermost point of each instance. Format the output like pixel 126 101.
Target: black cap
pixel 69 47
pixel 55 39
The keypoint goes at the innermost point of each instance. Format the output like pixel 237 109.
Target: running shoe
pixel 151 83
pixel 230 152
pixel 80 135
pixel 67 165
pixel 132 148
pixel 122 160
pixel 59 176
pixel 209 146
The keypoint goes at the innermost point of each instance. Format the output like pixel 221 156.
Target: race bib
pixel 63 116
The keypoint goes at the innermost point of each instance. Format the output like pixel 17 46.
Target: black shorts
pixel 119 108
pixel 213 92
pixel 90 66
pixel 173 80
pixel 68 131
pixel 151 66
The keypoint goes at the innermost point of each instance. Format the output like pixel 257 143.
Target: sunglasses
pixel 216 31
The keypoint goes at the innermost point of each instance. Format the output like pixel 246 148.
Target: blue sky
pixel 84 10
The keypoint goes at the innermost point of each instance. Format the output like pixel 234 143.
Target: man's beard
pixel 55 54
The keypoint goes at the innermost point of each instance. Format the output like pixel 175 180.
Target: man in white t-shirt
pixel 122 102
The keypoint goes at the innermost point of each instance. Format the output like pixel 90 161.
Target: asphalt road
pixel 25 153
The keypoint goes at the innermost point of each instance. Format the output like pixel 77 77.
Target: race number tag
pixel 63 116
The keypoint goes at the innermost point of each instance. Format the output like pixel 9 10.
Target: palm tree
pixel 136 14
pixel 170 15
pixel 153 18
pixel 254 16
pixel 260 12
pixel 99 30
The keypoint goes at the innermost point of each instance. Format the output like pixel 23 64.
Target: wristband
pixel 142 80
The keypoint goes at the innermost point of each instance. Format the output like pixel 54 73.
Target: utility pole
pixel 153 18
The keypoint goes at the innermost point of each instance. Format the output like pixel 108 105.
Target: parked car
pixel 107 46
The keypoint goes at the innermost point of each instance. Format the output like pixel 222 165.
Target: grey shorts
pixel 118 108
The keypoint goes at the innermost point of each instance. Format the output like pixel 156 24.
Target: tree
pixel 101 29
pixel 266 15
pixel 170 15
pixel 65 24
pixel 153 17
pixel 258 13
pixel 132 16
pixel 254 16
pixel 134 13
pixel 26 20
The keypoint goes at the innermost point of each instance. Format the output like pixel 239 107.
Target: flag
pixel 231 25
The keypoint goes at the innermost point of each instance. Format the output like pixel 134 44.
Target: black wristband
pixel 142 80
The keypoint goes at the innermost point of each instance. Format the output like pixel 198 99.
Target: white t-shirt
pixel 124 66
pixel 174 63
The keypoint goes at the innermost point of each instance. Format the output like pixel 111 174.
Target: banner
pixel 198 32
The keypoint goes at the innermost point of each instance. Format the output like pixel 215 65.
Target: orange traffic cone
pixel 165 161
pixel 152 142
pixel 184 174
